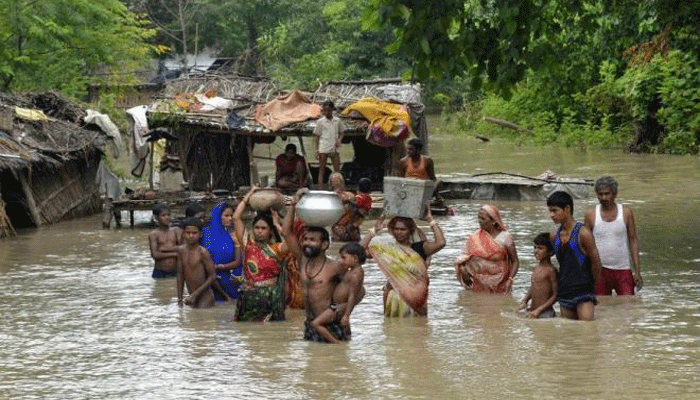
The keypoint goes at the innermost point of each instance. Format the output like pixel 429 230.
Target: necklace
pixel 306 269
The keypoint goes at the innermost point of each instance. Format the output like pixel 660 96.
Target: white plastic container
pixel 406 197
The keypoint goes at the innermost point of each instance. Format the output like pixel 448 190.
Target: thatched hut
pixel 47 161
pixel 215 148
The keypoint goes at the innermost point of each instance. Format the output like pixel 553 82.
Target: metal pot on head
pixel 320 208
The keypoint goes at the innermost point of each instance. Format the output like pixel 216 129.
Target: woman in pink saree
pixel 489 262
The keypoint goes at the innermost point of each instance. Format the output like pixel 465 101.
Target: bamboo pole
pixel 253 165
pixel 508 124
pixel 31 204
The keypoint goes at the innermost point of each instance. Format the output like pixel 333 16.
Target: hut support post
pixel 254 179
pixel 31 204
pixel 150 175
pixel 303 153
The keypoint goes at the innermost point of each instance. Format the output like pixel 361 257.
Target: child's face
pixel 541 252
pixel 348 260
pixel 163 219
pixel 192 234
pixel 227 217
pixel 557 214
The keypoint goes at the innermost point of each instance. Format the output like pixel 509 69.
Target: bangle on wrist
pixel 433 223
pixel 372 231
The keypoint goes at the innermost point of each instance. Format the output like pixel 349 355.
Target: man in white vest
pixel 615 236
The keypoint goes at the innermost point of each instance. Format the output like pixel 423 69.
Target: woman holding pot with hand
pixel 261 296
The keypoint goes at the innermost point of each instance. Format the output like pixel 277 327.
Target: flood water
pixel 82 318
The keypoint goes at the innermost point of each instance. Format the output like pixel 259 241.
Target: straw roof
pixel 60 137
pixel 247 92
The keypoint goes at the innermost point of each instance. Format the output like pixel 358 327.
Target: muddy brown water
pixel 82 318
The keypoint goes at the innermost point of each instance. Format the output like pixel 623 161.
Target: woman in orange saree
pixel 490 261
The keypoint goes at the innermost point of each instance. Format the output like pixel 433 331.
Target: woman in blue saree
pixel 224 251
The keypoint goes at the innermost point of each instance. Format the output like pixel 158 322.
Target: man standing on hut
pixel 327 137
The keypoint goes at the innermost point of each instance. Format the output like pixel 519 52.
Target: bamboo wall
pixel 67 191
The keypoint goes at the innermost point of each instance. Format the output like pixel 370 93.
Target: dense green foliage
pixel 579 72
pixel 67 44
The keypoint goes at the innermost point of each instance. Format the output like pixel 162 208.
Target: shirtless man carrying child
pixel 196 269
pixel 164 242
pixel 543 284
pixel 319 275
pixel 349 292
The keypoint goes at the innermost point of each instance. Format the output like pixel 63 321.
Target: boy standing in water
pixel 163 242
pixel 543 283
pixel 579 263
pixel 349 292
pixel 196 269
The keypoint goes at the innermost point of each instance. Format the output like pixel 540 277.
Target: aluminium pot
pixel 320 208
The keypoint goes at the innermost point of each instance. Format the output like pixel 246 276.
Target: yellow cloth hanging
pixel 382 113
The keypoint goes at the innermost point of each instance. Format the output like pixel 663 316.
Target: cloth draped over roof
pixel 390 123
pixel 286 110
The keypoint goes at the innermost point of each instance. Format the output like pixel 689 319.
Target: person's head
pixel 402 228
pixel 227 215
pixel 490 218
pixel 606 190
pixel 414 147
pixel 543 247
pixel 264 228
pixel 316 241
pixel 337 181
pixel 161 212
pixel 192 230
pixel 327 109
pixel 560 205
pixel 290 150
pixel 364 185
pixel 194 210
pixel 352 255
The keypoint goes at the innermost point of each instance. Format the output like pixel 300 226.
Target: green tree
pixel 66 44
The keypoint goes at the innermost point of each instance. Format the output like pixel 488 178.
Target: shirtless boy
pixel 319 274
pixel 163 242
pixel 543 283
pixel 196 269
pixel 579 263
pixel 347 294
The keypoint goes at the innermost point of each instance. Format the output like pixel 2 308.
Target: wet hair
pixel 191 221
pixel 354 249
pixel 290 146
pixel 325 237
pixel 364 185
pixel 193 209
pixel 606 182
pixel 561 199
pixel 409 222
pixel 267 217
pixel 417 143
pixel 543 240
pixel 160 208
pixel 328 104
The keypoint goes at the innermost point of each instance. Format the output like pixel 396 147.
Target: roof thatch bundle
pixel 53 140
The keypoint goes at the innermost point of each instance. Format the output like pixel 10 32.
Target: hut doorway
pixel 15 201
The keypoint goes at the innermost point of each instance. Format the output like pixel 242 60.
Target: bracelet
pixel 432 223
pixel 510 279
pixel 371 231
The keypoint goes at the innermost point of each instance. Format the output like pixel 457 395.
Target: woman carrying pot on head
pixel 489 262
pixel 261 296
pixel 403 262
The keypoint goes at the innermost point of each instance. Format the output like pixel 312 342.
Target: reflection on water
pixel 81 316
